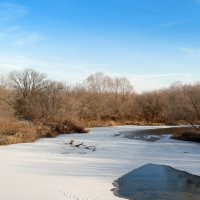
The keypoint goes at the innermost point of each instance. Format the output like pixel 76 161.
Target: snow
pixel 50 169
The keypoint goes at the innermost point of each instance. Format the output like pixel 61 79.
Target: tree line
pixel 99 99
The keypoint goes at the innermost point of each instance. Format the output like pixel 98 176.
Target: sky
pixel 151 42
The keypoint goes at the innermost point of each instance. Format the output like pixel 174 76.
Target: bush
pixel 13 131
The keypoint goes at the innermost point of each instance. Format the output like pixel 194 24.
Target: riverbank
pixel 184 133
pixel 14 131
pixel 22 130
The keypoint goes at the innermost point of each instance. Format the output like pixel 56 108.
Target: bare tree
pixel 191 104
pixel 28 85
pixel 27 81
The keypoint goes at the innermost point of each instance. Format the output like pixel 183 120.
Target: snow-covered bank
pixel 49 169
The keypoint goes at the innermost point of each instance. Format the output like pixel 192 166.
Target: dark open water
pixel 158 182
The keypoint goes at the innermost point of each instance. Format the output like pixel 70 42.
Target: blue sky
pixel 152 42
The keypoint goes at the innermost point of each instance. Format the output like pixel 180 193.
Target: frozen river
pixel 52 169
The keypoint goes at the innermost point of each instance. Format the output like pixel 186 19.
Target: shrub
pixel 14 131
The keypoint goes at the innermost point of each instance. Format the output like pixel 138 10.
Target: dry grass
pixel 13 131
pixel 52 129
pixel 99 123
pixel 107 123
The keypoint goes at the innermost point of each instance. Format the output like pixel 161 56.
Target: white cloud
pixel 12 12
pixel 195 52
pixel 173 23
pixel 55 69
pixel 28 39
pixel 8 32
pixel 12 61
pixel 11 33
pixel 15 35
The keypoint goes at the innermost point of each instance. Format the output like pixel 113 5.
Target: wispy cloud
pixel 9 31
pixel 28 39
pixel 173 23
pixel 17 36
pixel 60 70
pixel 194 52
pixel 12 61
pixel 12 12
pixel 55 69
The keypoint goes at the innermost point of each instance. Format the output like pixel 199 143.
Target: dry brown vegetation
pixel 14 131
pixel 32 106
pixel 188 133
